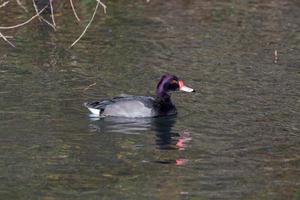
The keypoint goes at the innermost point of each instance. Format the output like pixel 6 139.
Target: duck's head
pixel 170 83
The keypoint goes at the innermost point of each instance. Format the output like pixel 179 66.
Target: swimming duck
pixel 142 106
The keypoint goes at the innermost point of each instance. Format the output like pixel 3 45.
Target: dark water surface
pixel 237 138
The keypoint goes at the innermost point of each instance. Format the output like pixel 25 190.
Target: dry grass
pixel 41 18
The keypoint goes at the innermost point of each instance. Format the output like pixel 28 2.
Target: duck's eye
pixel 174 82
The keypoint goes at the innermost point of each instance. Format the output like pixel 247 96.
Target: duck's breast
pixel 128 108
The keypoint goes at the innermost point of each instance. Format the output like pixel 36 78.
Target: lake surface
pixel 238 137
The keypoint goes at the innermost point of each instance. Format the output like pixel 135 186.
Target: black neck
pixel 164 97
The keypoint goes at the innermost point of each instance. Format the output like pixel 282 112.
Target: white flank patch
pixel 94 111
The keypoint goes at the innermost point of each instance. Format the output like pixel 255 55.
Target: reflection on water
pixel 166 138
pixel 120 125
pixel 184 140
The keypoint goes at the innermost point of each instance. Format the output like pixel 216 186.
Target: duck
pixel 141 106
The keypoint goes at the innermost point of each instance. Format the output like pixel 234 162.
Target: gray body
pixel 132 107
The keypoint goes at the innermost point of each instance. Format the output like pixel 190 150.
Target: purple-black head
pixel 169 83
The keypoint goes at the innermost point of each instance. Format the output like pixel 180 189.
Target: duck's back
pixel 137 106
pixel 128 106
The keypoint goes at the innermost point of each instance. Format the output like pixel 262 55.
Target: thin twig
pixel 74 11
pixel 92 18
pixel 36 9
pixel 22 24
pixel 87 26
pixel 6 40
pixel 103 5
pixel 85 89
pixel 52 13
pixel 275 57
pixel 47 22
pixel 41 18
pixel 21 5
pixel 4 4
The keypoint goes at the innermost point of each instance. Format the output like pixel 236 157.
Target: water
pixel 236 138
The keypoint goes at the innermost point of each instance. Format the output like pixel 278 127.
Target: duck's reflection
pixel 120 125
pixel 166 138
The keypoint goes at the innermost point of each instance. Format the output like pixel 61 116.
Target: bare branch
pixel 21 5
pixel 74 11
pixel 36 9
pixel 87 26
pixel 22 24
pixel 4 4
pixel 6 40
pixel 103 5
pixel 85 89
pixel 47 22
pixel 41 18
pixel 52 13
